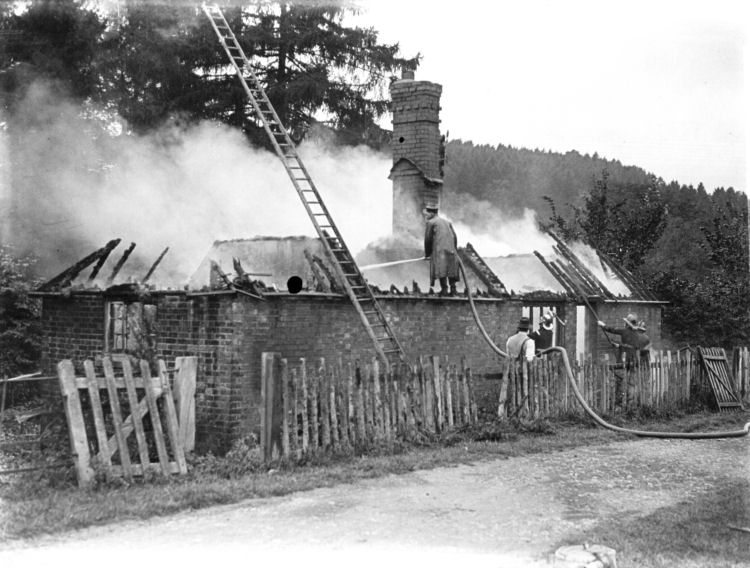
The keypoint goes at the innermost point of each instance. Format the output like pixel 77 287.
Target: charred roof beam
pixel 558 274
pixel 120 263
pixel 495 286
pixel 588 277
pixel 67 276
pixel 154 265
pixel 628 278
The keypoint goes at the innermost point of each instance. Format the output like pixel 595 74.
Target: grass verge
pixel 49 503
pixel 691 534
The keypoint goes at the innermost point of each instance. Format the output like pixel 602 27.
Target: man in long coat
pixel 440 246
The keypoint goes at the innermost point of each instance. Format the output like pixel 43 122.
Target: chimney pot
pixel 407 74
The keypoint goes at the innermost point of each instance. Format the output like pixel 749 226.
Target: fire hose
pixel 590 411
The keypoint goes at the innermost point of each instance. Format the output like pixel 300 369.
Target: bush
pixel 20 335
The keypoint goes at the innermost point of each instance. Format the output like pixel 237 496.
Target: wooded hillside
pixel 689 245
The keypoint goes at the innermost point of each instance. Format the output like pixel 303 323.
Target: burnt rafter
pixel 636 287
pixel 555 271
pixel 495 286
pixel 330 275
pixel 68 275
pixel 573 283
pixel 573 272
pixel 323 284
pixel 582 271
pixel 120 263
pixel 222 275
pixel 99 263
pixel 154 265
pixel 243 278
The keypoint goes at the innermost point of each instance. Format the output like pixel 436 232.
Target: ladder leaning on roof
pixel 386 344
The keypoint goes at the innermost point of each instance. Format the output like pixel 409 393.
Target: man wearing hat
pixel 440 246
pixel 520 349
pixel 521 346
pixel 634 344
pixel 543 336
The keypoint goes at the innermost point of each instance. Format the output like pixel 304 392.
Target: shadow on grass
pixel 692 533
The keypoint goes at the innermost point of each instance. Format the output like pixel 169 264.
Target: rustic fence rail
pixel 541 389
pixel 316 406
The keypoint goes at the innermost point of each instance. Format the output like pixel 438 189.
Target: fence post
pixel 295 415
pixel 350 398
pixel 325 420
pixel 333 407
pixel 449 378
pixel 305 406
pixel 361 415
pixel 377 401
pixel 184 393
pixel 314 421
pixel 438 392
pixel 505 387
pixel 284 409
pixel 74 413
pixel 267 435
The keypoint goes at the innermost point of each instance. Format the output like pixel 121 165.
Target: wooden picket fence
pixel 310 407
pixel 542 389
pixel 741 372
pixel 103 411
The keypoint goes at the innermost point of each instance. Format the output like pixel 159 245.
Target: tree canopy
pixel 152 62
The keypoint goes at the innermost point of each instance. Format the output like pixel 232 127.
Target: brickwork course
pixel 229 332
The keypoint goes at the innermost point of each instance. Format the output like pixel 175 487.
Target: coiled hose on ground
pixel 590 411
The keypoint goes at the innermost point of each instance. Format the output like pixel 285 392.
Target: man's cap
pixel 631 321
pixel 548 317
pixel 431 209
pixel 524 324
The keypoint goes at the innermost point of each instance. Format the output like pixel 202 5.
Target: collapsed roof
pixel 262 265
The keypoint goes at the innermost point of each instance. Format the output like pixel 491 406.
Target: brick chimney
pixel 416 146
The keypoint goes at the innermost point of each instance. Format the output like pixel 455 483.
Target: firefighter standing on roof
pixel 440 246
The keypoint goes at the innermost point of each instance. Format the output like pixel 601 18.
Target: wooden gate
pixel 100 423
pixel 716 367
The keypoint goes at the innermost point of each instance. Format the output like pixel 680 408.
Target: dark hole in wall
pixel 401 139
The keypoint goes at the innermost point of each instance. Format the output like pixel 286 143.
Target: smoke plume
pixel 75 186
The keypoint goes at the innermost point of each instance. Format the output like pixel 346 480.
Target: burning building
pixel 281 294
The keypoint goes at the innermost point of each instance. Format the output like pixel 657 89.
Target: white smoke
pixel 183 187
pixel 591 260
pixel 493 233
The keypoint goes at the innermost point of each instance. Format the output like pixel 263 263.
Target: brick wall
pixel 72 328
pixel 203 326
pixel 228 333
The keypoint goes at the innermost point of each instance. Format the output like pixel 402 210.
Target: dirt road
pixel 511 512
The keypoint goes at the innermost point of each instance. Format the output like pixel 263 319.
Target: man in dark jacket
pixel 635 345
pixel 543 336
pixel 440 246
pixel 634 341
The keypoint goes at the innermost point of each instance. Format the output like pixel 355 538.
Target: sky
pixel 658 84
